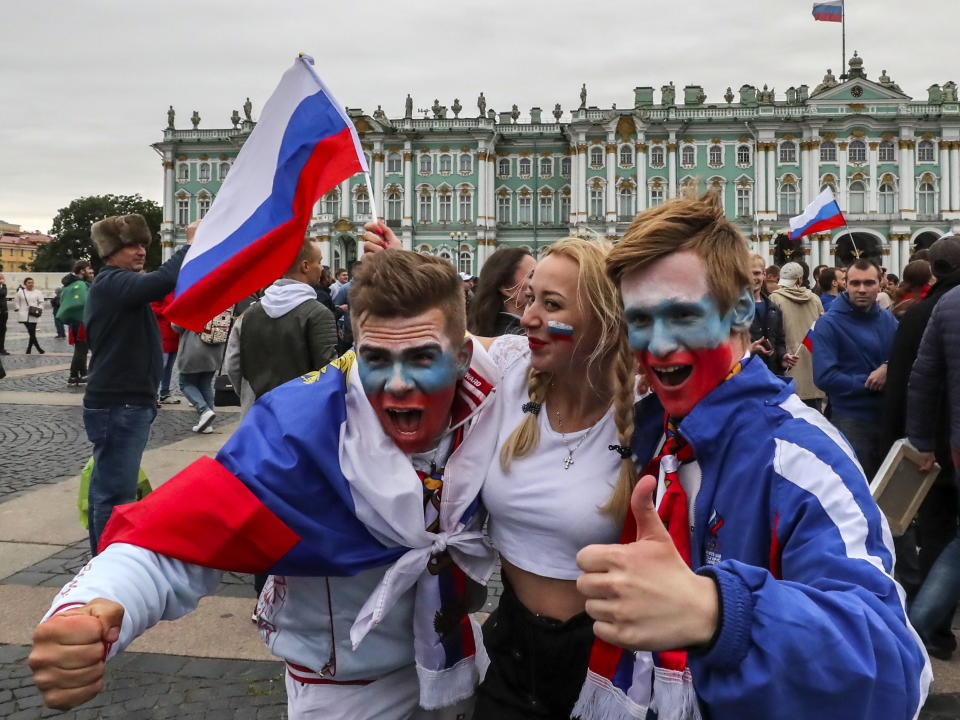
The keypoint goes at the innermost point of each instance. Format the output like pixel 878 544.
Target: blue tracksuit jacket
pixel 812 623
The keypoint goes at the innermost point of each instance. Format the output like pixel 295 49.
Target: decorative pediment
pixel 857 90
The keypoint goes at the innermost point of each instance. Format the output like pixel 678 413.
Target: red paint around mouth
pixel 536 343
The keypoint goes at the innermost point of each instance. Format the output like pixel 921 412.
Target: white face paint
pixel 680 276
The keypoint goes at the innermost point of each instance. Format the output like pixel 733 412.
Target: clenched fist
pixel 70 650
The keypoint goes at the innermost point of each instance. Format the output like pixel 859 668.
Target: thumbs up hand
pixel 642 595
pixel 70 650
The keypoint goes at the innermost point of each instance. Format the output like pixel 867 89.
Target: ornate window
pixel 926 199
pixel 363 202
pixel 466 163
pixel 788 199
pixel 925 151
pixel 596 203
pixel 394 163
pixel 743 155
pixel 524 208
pixel 888 199
pixel 857 151
pixel 183 172
pixel 525 167
pixel 656 194
pixel 564 208
pixel 203 206
pixel 546 167
pixel 744 204
pixel 596 156
pixel 833 188
pixel 503 209
pixel 546 208
pixel 887 152
pixel 204 172
pixel 688 156
pixel 446 164
pixel 224 169
pixel 466 261
pixel 857 198
pixel 828 151
pixel 503 167
pixel 444 206
pixel 656 156
pixel 565 166
pixel 183 210
pixel 425 166
pixel 394 206
pixel 626 155
pixel 465 206
pixel 715 155
pixel 625 203
pixel 331 202
pixel 788 152
pixel 425 206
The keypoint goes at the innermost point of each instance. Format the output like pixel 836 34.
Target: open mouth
pixel 405 421
pixel 672 375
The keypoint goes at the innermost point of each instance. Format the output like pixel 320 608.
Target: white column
pixel 814 258
pixel 772 178
pixel 377 178
pixel 581 180
pixel 842 179
pixel 760 179
pixel 611 150
pixel 907 200
pixel 481 199
pixel 491 199
pixel 825 257
pixel 169 205
pixel 904 249
pixel 407 221
pixel 765 247
pixel 574 185
pixel 954 174
pixel 894 263
pixel 325 249
pixel 671 168
pixel 345 198
pixel 873 185
pixel 640 158
pixel 946 177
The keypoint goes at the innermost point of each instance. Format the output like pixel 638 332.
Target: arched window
pixel 788 151
pixel 183 172
pixel 363 202
pixel 394 206
pixel 743 154
pixel 445 254
pixel 744 206
pixel 394 163
pixel 203 206
pixel 446 164
pixel 626 154
pixel 857 198
pixel 224 169
pixel 596 204
pixel 524 167
pixel 546 167
pixel 524 209
pixel 887 152
pixel 888 199
pixel 828 151
pixel 426 164
pixel 466 262
pixel 688 156
pixel 503 209
pixel 565 166
pixel 833 188
pixel 466 163
pixel 465 206
pixel 656 156
pixel 503 167
pixel 596 156
pixel 857 151
pixel 331 202
pixel 444 207
pixel 204 172
pixel 926 199
pixel 546 208
pixel 564 207
pixel 788 199
pixel 425 206
pixel 625 204
pixel 925 151
pixel 715 155
pixel 183 210
pixel 656 195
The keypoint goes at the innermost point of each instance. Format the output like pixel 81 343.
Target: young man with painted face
pixel 755 567
pixel 332 485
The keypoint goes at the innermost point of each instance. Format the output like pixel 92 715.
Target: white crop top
pixel 542 515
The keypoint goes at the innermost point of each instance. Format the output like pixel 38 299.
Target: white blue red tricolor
pixel 820 215
pixel 560 330
pixel 303 145
pixel 828 11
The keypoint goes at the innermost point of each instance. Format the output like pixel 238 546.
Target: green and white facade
pixel 460 186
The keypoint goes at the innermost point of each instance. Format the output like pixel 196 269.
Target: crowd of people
pixel 665 444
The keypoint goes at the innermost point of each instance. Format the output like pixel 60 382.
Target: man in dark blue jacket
pixel 120 403
pixel 851 347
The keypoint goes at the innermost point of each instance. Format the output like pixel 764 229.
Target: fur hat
pixel 113 233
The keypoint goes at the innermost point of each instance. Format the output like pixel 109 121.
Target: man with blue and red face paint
pixel 754 574
pixel 333 486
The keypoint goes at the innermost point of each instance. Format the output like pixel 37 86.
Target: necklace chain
pixel 568 460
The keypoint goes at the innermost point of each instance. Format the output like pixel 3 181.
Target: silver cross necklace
pixel 568 460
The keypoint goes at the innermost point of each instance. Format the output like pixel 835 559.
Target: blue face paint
pixel 426 368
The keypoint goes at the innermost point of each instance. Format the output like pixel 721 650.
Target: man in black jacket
pixel 766 331
pixel 120 402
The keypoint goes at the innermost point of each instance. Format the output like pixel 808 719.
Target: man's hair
pixel 864 264
pixel 826 278
pixel 306 250
pixel 402 284
pixel 689 223
pixel 817 270
pixel 80 265
pixel 772 270
pixel 757 260
pixel 892 278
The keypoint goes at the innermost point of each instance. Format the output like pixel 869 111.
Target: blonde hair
pixel 758 260
pixel 600 297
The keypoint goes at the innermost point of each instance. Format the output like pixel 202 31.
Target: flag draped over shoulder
pixel 303 145
pixel 310 485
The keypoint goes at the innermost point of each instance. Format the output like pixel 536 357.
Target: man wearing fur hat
pixel 120 402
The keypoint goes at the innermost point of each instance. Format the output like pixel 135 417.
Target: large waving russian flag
pixel 822 214
pixel 828 11
pixel 303 145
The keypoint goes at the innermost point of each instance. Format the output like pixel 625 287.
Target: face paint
pixel 560 331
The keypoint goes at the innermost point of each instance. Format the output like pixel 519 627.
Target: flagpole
pixel 843 35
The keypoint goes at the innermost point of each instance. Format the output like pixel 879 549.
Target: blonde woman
pixel 561 480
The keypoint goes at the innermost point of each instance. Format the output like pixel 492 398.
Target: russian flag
pixel 807 341
pixel 303 145
pixel 828 11
pixel 822 214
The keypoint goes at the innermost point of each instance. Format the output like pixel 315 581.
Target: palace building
pixel 459 183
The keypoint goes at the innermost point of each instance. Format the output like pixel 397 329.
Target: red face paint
pixel 416 420
pixel 701 371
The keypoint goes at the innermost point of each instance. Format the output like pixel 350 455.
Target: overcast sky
pixel 85 84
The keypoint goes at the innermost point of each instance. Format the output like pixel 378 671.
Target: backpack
pixel 217 330
pixel 72 300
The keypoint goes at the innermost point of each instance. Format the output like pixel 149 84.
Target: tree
pixel 71 230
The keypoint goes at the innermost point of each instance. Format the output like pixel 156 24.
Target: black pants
pixel 78 365
pixel 3 327
pixel 537 664
pixel 32 331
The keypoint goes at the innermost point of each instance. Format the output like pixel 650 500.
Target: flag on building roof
pixel 828 11
pixel 303 145
pixel 822 214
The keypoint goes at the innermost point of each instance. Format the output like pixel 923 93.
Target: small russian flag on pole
pixel 828 11
pixel 807 341
pixel 822 214
pixel 303 145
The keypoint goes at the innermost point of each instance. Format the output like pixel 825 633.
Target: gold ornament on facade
pixel 445 149
pixel 181 158
pixel 788 178
pixel 545 192
pixel 362 125
pixel 481 155
pixel 640 147
pixel 503 192
pixel 828 136
pixel 874 145
pixel 858 134
pixel 596 184
pixel 407 157
pixel 743 139
pixel 204 157
pixel 888 178
pixel 857 107
pixel 906 144
pixel 378 157
pixel 626 127
pixel 671 147
pixel 343 225
pixel 926 177
pixel 167 165
pixel 927 136
pixel 843 146
pixel 524 153
pixel 789 136
pixel 610 147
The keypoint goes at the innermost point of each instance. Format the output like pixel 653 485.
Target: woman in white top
pixel 28 304
pixel 562 478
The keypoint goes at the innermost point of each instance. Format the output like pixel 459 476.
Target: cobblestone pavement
pixel 152 687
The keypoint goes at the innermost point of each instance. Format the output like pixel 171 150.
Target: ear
pixel 465 356
pixel 741 315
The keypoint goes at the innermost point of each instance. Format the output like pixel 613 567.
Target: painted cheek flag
pixel 828 11
pixel 303 145
pixel 822 214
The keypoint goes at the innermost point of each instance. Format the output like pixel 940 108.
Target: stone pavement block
pixel 15 557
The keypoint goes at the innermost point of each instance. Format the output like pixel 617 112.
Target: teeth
pixel 669 368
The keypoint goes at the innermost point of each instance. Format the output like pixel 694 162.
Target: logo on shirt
pixel 711 555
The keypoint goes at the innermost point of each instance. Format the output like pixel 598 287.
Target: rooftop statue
pixel 456 107
pixel 235 119
pixel 557 112
pixel 950 92
pixel 408 107
pixel 728 95
pixel 171 115
pixel 248 110
pixel 829 81
pixel 583 96
pixel 515 113
pixel 195 119
pixel 934 94
pixel 482 104
pixel 669 94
